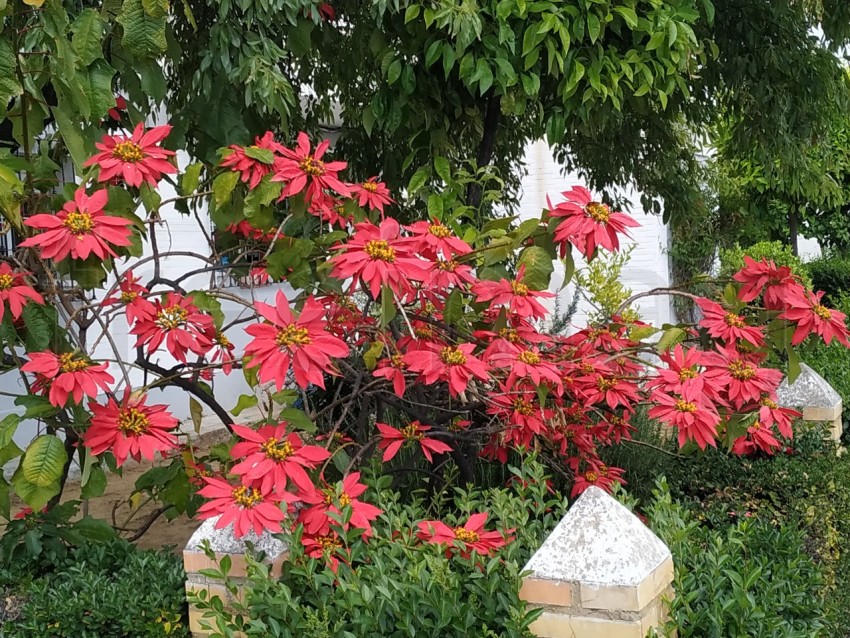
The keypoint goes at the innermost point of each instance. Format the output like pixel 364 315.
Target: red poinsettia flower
pixel 777 283
pixel 455 365
pixel 613 390
pixel 759 437
pixel 177 322
pixel 521 410
pixel 248 508
pixel 726 325
pixel 330 500
pixel 466 538
pixel 327 547
pixel 68 376
pixel 443 275
pixel 393 439
pixel 434 240
pixel 690 413
pixel 273 457
pixel 811 316
pixel 135 159
pixel 285 342
pixel 299 170
pixel 249 161
pixel 392 369
pixel 130 296
pixel 684 371
pixel 116 111
pixel 327 12
pixel 527 363
pixel 739 377
pixel 588 224
pixel 377 256
pixel 514 294
pixel 373 194
pixel 598 475
pixel 80 229
pixel 770 414
pixel 130 429
pixel 15 292
pixel 222 352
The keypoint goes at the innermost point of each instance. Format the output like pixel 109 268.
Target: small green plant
pixel 599 283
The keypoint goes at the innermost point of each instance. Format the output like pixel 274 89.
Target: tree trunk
pixel 485 149
pixel 792 232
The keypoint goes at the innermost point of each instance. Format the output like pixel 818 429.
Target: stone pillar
pixel 600 574
pixel 815 398
pixel 223 543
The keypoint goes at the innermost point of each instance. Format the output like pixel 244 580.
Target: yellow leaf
pixel 34 3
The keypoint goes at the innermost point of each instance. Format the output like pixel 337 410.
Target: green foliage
pixel 831 273
pixel 750 578
pixel 732 259
pixel 599 282
pixel 107 590
pixel 400 586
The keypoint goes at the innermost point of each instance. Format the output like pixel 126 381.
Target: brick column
pixel 223 543
pixel 600 574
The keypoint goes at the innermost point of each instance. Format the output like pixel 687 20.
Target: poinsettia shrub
pixel 412 576
pixel 423 345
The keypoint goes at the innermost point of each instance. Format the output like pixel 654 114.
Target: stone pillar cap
pixel 808 390
pixel 222 541
pixel 599 542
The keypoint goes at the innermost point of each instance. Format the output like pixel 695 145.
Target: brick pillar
pixel 600 574
pixel 812 395
pixel 223 543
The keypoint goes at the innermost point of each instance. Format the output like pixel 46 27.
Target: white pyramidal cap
pixel 808 390
pixel 599 542
pixel 222 541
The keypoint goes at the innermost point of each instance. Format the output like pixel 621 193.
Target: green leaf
pixel 418 180
pixel 96 485
pixel 629 15
pixel 453 310
pixel 538 267
pixel 371 356
pixel 435 206
pixel 394 72
pixel 525 231
pixel 196 410
pixel 433 52
pixel 298 419
pixel 222 188
pixel 388 309
pixel 670 338
pixel 150 198
pixel 485 75
pixel 155 8
pixel 8 449
pixel 9 86
pixel 36 406
pixel 793 364
pixel 593 27
pixel 209 304
pixel 72 137
pixel 144 35
pixel 11 193
pixel 441 165
pixel 40 323
pixel 88 32
pixel 97 82
pixel 411 13
pixel 263 155
pixel 37 478
pixel 191 178
pixel 245 401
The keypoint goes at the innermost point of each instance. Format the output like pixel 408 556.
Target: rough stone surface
pixel 222 540
pixel 808 390
pixel 599 542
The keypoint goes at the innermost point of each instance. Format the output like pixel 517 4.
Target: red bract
pixel 80 229
pixel 273 457
pixel 764 276
pixel 177 322
pixel 327 547
pixel 683 372
pixel 443 275
pixel 372 194
pixel 728 326
pixel 771 414
pixel 15 292
pixel 465 539
pixel 130 429
pixel 299 170
pixel 455 365
pixel 378 256
pixel 251 169
pixel 514 294
pixel 520 410
pixel 222 352
pixel 392 440
pixel 285 342
pixel 247 508
pixel 436 241
pixel 68 376
pixel 758 437
pixel 811 317
pixel 136 159
pixel 129 296
pixel 695 418
pixel 588 224
pixel 612 390
pixel 330 500
pixel 739 376
pixel 527 364
pixel 599 475
pixel 392 369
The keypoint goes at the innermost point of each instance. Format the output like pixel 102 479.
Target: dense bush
pixel 398 585
pixel 105 590
pixel 831 274
pixel 732 259
pixel 832 361
pixel 751 578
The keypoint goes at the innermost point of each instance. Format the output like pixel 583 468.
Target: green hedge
pixel 732 259
pixel 832 275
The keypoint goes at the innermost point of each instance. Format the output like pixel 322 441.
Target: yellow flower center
pixel 822 312
pixel 769 403
pixel 398 361
pixel 171 317
pixel 523 407
pixel 370 187
pixel 687 373
pixel 741 370
pixel 330 495
pixel 79 222
pixel 605 384
pixel 598 212
pixel 128 152
pixel 247 497
pixel 591 477
pixel 424 332
pixel 734 320
pixel 448 266
pixel 686 406
pixel 6 281
pixel 133 421
pixel 69 363
pixel 277 452
pixel 519 289
pixel 128 295
pixel 328 542
pixel 452 356
pixel 465 535
pixel 221 340
pixel 510 334
pixel 312 166
pixel 411 432
pixel 757 425
pixel 438 230
pixel 381 250
pixel 293 336
pixel 529 357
